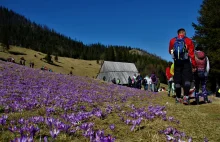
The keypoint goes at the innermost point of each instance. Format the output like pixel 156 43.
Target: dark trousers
pixel 169 86
pixel 200 78
pixel 182 76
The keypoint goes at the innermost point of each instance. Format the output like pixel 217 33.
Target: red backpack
pixel 200 60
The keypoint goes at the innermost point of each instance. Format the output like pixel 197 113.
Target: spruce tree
pixel 207 36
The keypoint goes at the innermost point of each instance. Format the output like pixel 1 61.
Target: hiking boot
pixel 206 100
pixel 178 100
pixel 186 100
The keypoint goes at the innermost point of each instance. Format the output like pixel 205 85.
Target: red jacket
pixel 168 74
pixel 189 46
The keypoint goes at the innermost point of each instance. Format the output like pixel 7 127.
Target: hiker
pixel 169 78
pixel 24 62
pixel 10 59
pixel 153 81
pixel 114 81
pixel 182 50
pixel 32 64
pixel 42 68
pixel 118 81
pixel 104 78
pixel 129 81
pixel 201 75
pixel 146 83
pixel 138 81
pixel 173 84
pixel 158 84
pixel 217 91
pixel 134 81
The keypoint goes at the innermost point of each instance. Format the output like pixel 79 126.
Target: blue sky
pixel 145 24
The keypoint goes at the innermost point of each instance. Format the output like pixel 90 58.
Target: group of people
pixel 44 68
pixel 189 65
pixel 114 81
pixel 10 59
pixel 150 83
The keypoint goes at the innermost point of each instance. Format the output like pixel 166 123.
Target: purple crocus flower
pixel 21 121
pixel 132 128
pixel 170 138
pixel 45 139
pixel 112 126
pixel 205 139
pixel 13 129
pixel 3 119
pixel 50 121
pixel 23 139
pixel 190 139
pixel 33 130
pixel 127 121
pixel 54 133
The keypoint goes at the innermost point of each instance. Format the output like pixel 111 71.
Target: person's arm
pixel 190 47
pixel 167 70
pixel 207 65
pixel 171 44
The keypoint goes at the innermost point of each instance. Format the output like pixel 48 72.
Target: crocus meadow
pixel 43 106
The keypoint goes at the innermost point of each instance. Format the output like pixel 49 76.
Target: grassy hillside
pixel 43 105
pixel 64 65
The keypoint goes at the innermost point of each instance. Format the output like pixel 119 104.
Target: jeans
pixel 146 87
pixel 153 87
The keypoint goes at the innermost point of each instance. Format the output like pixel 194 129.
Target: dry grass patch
pixel 64 65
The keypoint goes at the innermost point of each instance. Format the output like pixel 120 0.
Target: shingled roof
pixel 116 70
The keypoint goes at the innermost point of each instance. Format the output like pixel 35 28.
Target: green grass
pixel 198 121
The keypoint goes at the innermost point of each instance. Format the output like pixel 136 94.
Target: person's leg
pixel 146 87
pixel 204 90
pixel 173 88
pixel 197 83
pixel 178 80
pixel 187 78
pixel 169 87
pixel 152 87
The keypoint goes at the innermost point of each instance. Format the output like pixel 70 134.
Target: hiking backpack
pixel 153 78
pixel 179 49
pixel 201 62
pixel 144 82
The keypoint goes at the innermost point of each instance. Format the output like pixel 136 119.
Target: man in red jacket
pixel 169 78
pixel 182 50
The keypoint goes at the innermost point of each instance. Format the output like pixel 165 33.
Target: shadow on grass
pixel 16 53
pixel 51 63
pixel 200 103
pixel 3 59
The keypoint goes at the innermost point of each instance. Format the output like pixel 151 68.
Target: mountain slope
pixel 19 31
pixel 64 65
